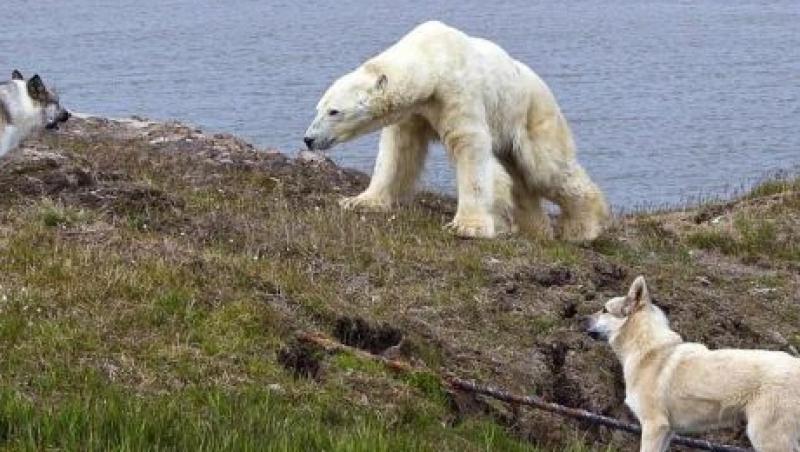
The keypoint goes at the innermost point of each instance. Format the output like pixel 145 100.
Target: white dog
pixel 671 385
pixel 25 107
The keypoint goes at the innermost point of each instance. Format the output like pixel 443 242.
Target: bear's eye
pixel 333 112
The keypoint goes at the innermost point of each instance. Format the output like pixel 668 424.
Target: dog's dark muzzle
pixel 596 336
pixel 63 116
pixel 586 326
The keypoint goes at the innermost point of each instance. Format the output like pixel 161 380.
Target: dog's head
pixel 619 313
pixel 44 99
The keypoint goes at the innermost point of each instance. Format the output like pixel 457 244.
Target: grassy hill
pixel 153 278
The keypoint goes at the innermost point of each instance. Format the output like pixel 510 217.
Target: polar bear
pixel 499 122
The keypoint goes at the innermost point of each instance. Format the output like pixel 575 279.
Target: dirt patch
pixel 709 212
pixel 608 276
pixel 357 332
pixel 301 359
pixel 553 276
pixel 37 173
pixel 68 177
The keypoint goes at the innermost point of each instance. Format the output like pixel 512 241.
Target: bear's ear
pixel 17 75
pixel 382 82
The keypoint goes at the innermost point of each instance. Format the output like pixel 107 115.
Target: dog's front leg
pixel 8 138
pixel 655 437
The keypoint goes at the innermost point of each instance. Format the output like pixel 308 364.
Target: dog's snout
pixel 585 322
pixel 309 142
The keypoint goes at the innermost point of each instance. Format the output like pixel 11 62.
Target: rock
pixel 312 157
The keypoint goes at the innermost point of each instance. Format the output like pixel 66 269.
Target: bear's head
pixel 356 104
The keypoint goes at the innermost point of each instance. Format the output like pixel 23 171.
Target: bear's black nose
pixel 309 143
pixel 64 116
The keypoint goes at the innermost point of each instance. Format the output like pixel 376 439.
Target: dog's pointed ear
pixel 36 88
pixel 638 296
pixel 382 82
pixel 17 75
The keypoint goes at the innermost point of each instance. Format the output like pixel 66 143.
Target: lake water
pixel 669 100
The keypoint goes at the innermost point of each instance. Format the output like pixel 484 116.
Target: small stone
pixel 313 157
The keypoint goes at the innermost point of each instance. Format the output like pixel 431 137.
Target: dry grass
pixel 153 280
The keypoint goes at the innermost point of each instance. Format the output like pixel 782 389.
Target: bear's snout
pixel 309 141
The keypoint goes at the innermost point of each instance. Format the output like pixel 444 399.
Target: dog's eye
pixel 333 112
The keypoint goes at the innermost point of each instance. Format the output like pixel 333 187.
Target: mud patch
pixel 608 276
pixel 35 173
pixel 553 276
pixel 709 212
pixel 301 359
pixel 570 310
pixel 566 390
pixel 126 198
pixel 357 332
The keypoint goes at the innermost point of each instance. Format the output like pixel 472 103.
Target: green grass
pixel 149 311
pixel 713 240
pixel 146 324
pixel 774 187
pixel 751 240
pixel 765 231
pixel 210 419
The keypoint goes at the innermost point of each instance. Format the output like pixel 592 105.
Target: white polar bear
pixel 499 122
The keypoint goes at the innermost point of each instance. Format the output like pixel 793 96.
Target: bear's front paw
pixel 365 202
pixel 473 227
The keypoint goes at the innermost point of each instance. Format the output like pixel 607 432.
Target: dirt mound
pixel 357 332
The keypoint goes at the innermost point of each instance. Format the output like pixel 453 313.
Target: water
pixel 669 100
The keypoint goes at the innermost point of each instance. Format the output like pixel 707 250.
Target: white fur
pixel 10 138
pixel 675 386
pixel 27 116
pixel 485 107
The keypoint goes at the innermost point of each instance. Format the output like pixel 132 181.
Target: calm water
pixel 669 100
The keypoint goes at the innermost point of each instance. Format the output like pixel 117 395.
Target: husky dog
pixel 26 106
pixel 671 385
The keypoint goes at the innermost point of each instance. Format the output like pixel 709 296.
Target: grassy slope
pixel 152 281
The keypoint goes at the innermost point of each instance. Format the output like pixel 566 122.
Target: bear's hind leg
pixel 530 214
pixel 584 212
pixel 401 155
pixel 504 208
